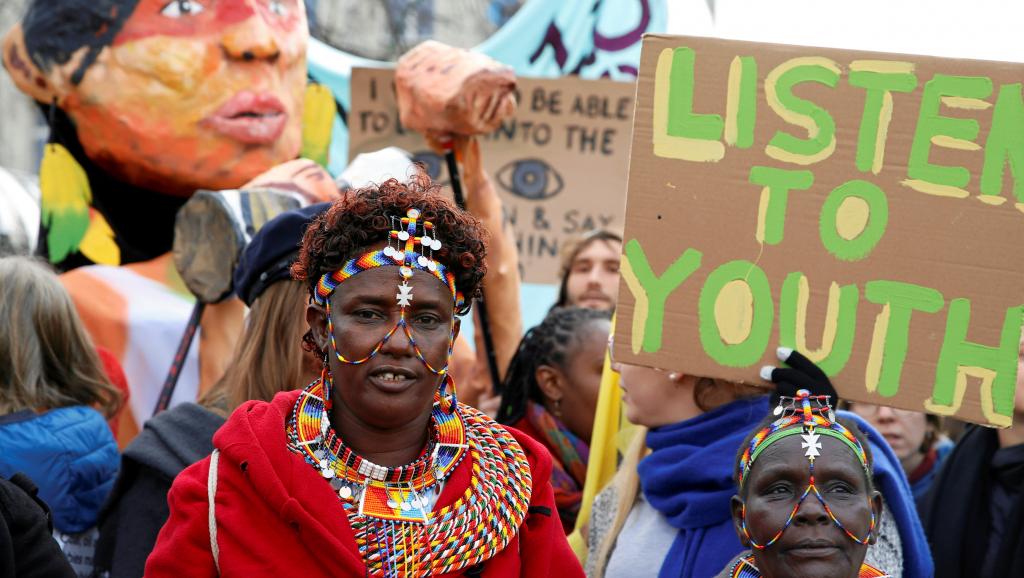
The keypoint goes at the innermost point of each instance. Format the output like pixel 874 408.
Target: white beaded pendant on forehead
pixel 412 244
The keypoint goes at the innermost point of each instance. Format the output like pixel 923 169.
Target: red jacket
pixel 276 516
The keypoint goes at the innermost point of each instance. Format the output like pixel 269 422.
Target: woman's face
pixel 652 397
pixel 813 546
pixel 394 388
pixel 582 377
pixel 196 93
pixel 904 430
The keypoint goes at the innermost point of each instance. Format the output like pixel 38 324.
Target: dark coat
pixel 27 547
pixel 137 508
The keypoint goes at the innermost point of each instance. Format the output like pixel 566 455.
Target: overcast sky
pixel 985 29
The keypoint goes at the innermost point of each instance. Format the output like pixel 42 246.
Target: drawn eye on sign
pixel 531 179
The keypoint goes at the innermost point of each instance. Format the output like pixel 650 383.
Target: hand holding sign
pixel 802 373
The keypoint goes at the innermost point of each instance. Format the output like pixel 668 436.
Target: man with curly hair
pixel 375 469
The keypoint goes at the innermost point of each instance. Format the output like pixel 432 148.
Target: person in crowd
pixel 54 401
pixel 915 437
pixel 671 494
pixel 590 272
pixel 269 359
pixel 974 512
pixel 550 393
pixel 27 547
pixel 375 468
pixel 806 503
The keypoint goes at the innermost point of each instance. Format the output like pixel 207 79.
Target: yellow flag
pixel 611 435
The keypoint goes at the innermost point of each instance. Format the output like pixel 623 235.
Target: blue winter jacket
pixel 69 453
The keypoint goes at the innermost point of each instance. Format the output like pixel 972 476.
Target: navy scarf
pixel 688 478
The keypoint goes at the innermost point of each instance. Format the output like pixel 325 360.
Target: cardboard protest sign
pixel 864 208
pixel 559 164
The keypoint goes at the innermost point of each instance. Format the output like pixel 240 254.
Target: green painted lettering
pixel 958 132
pixel 651 291
pixel 996 367
pixel 846 231
pixel 682 121
pixel 742 103
pixel 821 133
pixel 839 327
pixel 776 183
pixel 760 308
pixel 874 121
pixel 892 329
pixel 1005 144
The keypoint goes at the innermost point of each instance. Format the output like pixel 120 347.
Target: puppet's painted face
pixel 196 93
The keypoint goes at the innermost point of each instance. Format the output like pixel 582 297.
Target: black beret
pixel 268 257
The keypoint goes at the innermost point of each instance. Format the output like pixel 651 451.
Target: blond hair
pixel 47 360
pixel 269 358
pixel 707 394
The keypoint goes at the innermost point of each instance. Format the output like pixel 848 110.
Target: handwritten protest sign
pixel 865 208
pixel 559 164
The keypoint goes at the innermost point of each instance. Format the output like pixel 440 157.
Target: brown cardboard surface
pixel 559 164
pixel 941 252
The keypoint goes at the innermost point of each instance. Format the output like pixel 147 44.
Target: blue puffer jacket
pixel 69 453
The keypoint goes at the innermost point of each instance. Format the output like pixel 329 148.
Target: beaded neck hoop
pixel 810 417
pixel 407 235
pixel 400 527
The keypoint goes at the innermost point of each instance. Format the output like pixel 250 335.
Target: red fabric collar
pixel 925 466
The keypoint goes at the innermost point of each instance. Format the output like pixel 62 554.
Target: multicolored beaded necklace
pixel 810 417
pixel 391 510
pixel 745 568
pixel 397 533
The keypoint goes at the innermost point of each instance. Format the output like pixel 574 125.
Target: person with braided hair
pixel 550 393
pixel 375 468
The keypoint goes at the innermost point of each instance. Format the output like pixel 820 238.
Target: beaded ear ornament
pixel 411 246
pixel 810 417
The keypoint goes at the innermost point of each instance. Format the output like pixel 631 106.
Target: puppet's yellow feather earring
pixel 318 123
pixel 71 224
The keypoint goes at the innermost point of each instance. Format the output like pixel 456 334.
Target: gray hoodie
pixel 137 508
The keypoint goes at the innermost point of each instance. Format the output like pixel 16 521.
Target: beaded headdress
pixel 810 417
pixel 411 245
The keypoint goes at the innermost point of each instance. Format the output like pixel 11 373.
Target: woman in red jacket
pixel 374 469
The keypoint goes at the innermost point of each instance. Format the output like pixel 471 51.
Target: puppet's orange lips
pixel 250 118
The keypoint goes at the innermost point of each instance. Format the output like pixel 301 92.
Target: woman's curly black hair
pixel 550 343
pixel 362 218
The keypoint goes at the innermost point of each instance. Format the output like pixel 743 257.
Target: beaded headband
pixel 401 252
pixel 810 417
